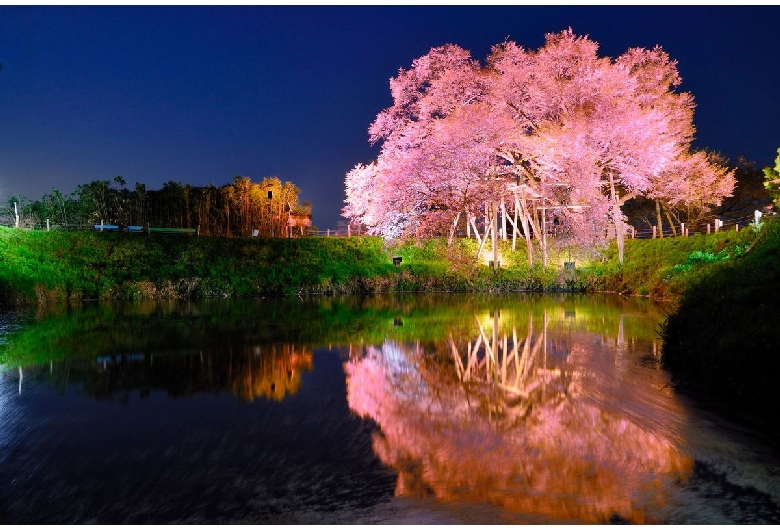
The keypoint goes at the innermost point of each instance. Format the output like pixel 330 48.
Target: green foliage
pixel 772 179
pixel 698 257
pixel 723 339
pixel 664 267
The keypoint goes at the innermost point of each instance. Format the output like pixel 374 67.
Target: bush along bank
pixel 723 341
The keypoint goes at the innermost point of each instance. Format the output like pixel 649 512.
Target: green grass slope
pixel 723 342
pixel 37 266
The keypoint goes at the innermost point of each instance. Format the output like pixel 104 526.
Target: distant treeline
pixel 269 207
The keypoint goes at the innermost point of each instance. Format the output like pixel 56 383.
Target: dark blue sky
pixel 200 94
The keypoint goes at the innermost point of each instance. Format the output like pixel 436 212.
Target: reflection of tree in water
pixel 507 418
pixel 270 371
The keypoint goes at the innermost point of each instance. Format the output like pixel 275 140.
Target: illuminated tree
pixel 554 134
pixel 691 183
pixel 425 176
pixel 592 129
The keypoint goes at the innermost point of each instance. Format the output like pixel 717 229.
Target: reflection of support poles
pixel 498 359
pixel 544 347
pixel 495 340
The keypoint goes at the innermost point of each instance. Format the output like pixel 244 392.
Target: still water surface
pixel 403 409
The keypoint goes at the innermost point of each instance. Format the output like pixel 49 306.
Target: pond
pixel 441 409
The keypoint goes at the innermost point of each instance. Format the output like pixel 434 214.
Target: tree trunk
pixel 483 240
pixel 658 218
pixel 473 225
pixel 504 217
pixel 452 229
pixel 671 223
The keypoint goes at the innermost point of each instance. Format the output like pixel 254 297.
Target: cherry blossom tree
pixel 430 163
pixel 555 134
pixel 693 181
pixel 596 129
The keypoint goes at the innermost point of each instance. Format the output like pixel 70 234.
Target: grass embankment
pixel 723 342
pixel 56 266
pixel 52 266
pixel 665 268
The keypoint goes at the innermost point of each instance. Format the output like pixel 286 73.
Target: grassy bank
pixel 48 266
pixel 723 340
pixel 664 268
pixel 37 266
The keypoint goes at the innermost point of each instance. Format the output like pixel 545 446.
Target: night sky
pixel 200 94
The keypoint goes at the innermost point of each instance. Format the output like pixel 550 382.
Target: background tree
pixel 138 205
pixel 19 211
pixel 93 201
pixel 772 180
pixel 236 209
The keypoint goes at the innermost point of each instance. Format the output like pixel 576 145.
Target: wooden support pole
pixel 514 226
pixel 495 234
pixel 504 218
